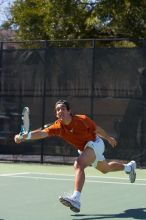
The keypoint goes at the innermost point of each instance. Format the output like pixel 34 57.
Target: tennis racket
pixel 25 122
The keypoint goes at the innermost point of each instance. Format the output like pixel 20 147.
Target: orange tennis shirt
pixel 80 130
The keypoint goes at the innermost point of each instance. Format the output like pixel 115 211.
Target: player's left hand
pixel 112 141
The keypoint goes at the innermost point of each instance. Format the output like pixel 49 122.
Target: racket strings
pixel 25 127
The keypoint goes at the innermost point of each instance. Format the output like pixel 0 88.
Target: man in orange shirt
pixel 86 137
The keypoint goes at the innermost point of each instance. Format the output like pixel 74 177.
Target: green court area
pixel 31 191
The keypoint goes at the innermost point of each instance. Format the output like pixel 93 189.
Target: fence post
pixel 143 102
pixel 92 80
pixel 1 58
pixel 44 98
pixel 1 72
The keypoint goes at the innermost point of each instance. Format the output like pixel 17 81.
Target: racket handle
pixel 28 136
pixel 20 136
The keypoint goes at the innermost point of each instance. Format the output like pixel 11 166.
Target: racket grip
pixel 28 136
pixel 20 136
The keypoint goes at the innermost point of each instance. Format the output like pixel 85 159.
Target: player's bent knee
pixel 78 165
pixel 104 171
pixel 103 167
pixel 75 164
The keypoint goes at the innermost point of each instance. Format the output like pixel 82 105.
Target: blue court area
pixel 31 191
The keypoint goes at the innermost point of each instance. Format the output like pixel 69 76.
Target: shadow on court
pixel 130 213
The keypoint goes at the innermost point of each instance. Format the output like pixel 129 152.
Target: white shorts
pixel 98 147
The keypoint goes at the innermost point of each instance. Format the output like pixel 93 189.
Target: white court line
pixel 14 174
pixel 64 179
pixel 20 175
pixel 88 176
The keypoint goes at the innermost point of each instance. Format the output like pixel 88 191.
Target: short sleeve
pixel 53 130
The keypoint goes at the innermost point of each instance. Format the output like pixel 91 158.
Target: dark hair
pixel 64 102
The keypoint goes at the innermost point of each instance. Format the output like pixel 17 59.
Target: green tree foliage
pixel 78 19
pixel 49 19
pixel 122 18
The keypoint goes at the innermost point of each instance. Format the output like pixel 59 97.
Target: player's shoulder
pixel 84 119
pixel 57 123
pixel 54 124
pixel 79 116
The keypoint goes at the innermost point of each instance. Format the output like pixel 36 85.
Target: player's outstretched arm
pixel 33 135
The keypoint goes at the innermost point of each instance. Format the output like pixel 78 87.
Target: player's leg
pixel 105 167
pixel 101 164
pixel 129 168
pixel 86 158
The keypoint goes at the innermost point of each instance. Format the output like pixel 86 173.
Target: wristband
pixel 28 136
pixel 20 136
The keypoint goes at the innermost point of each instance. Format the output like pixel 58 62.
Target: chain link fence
pixel 106 82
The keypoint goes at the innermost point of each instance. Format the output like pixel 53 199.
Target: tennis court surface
pixel 31 191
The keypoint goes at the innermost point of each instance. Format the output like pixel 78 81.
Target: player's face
pixel 62 112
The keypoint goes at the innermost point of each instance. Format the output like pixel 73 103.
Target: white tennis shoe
pixel 132 173
pixel 74 205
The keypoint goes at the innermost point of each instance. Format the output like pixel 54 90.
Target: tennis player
pixel 86 137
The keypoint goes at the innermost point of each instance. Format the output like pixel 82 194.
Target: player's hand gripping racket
pixel 25 126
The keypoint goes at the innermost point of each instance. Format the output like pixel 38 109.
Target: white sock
pixel 127 168
pixel 76 195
